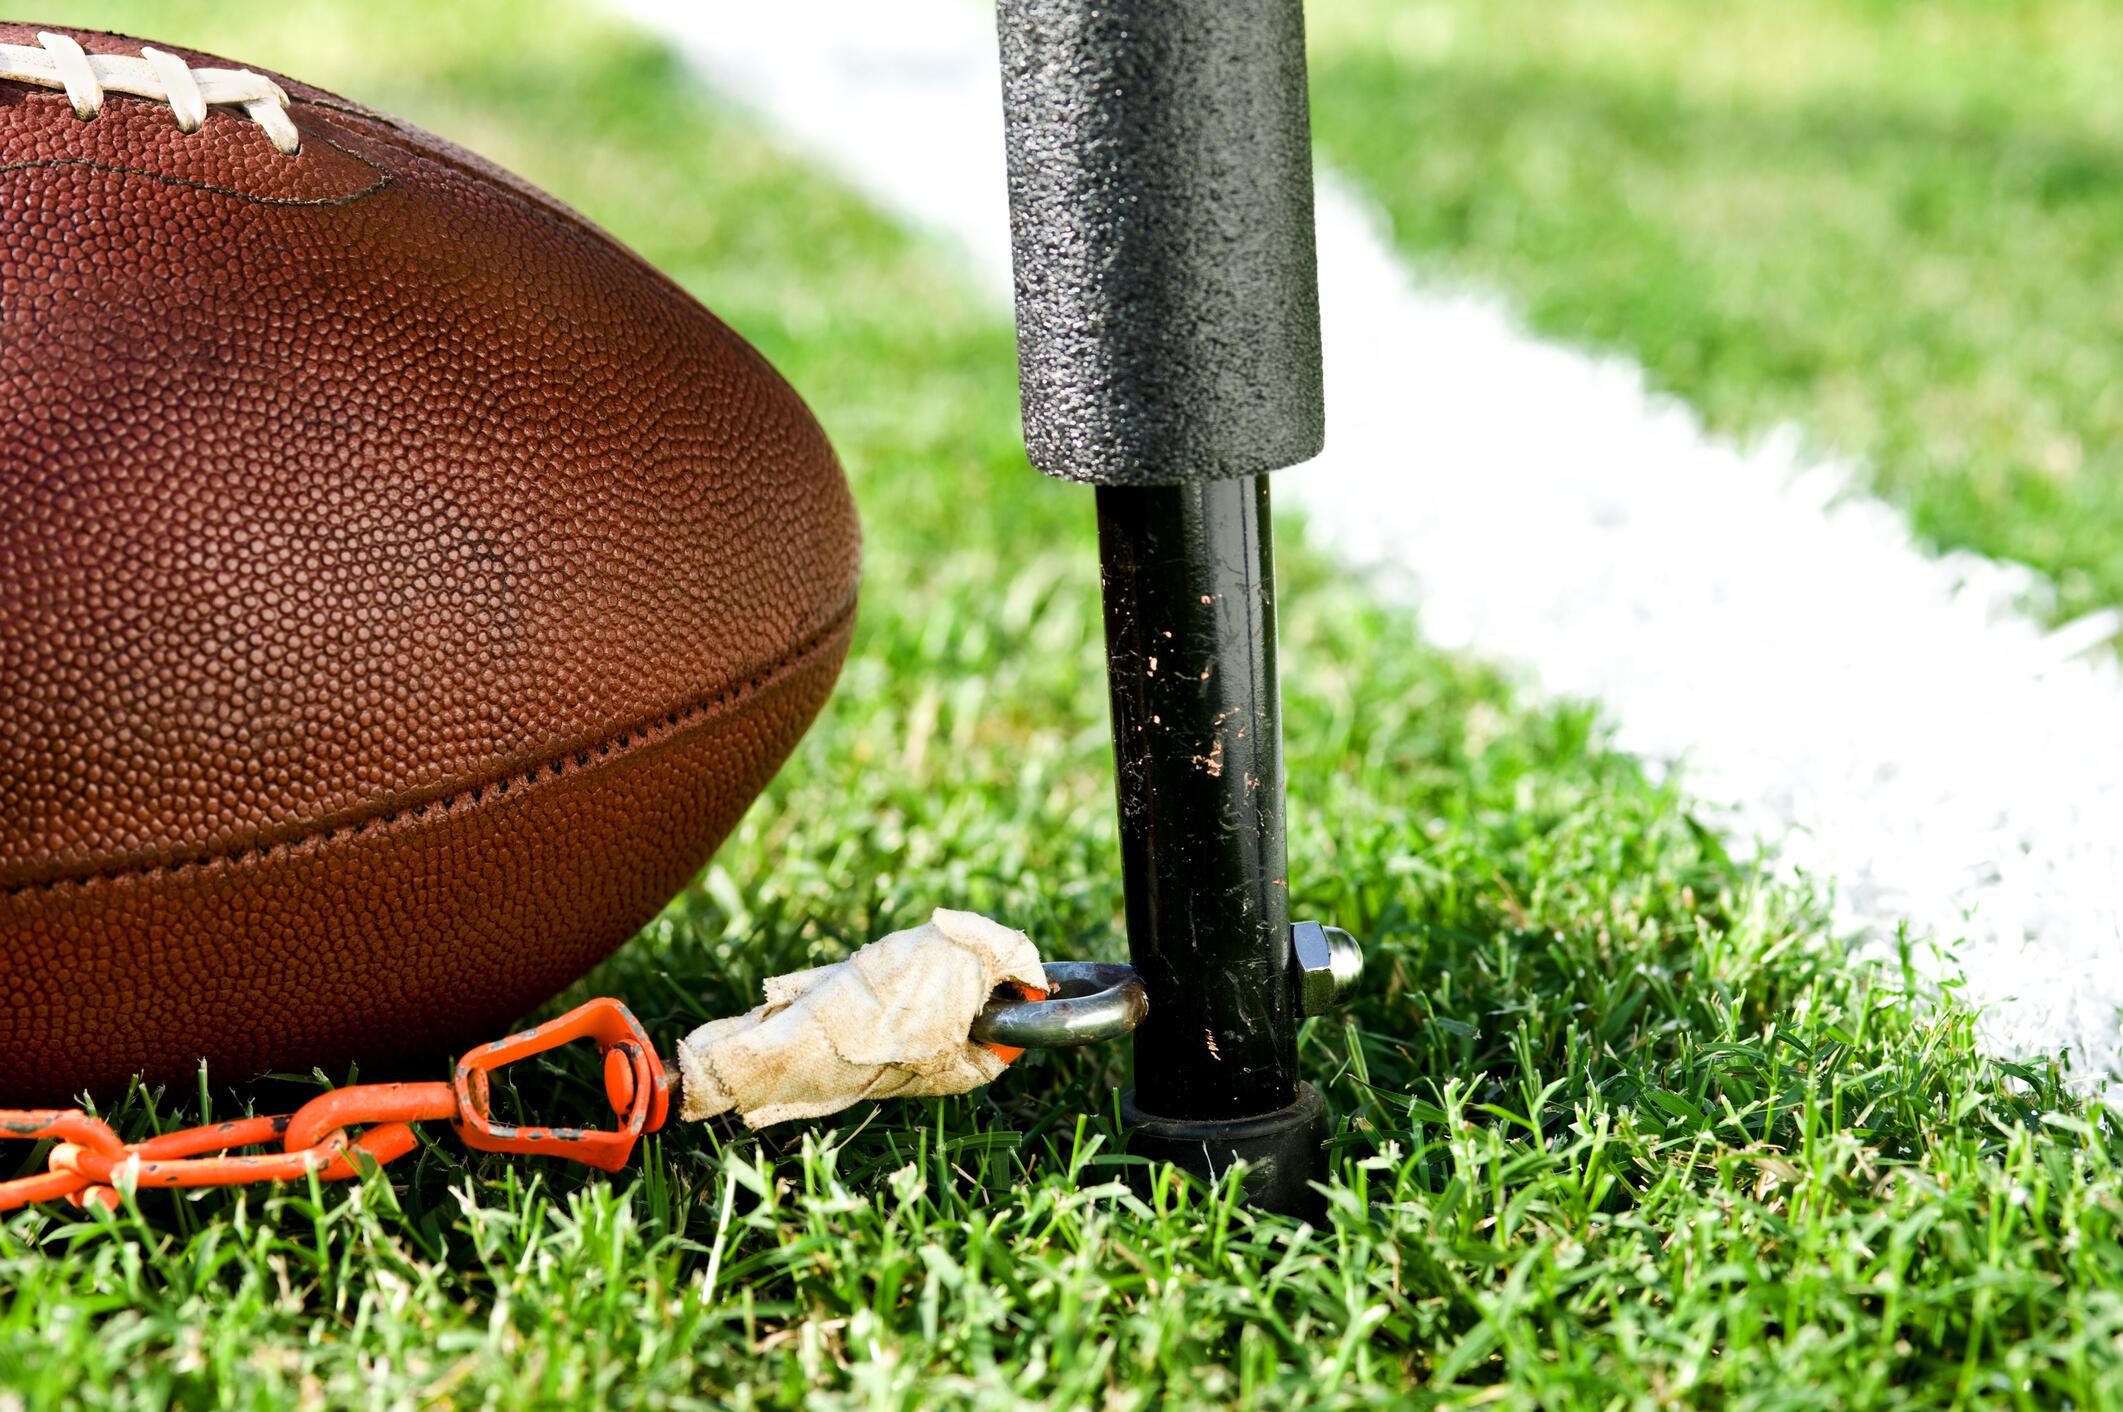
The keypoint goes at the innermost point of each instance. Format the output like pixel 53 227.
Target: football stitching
pixel 383 179
pixel 155 75
pixel 579 758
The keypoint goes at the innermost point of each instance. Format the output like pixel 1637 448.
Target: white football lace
pixel 61 63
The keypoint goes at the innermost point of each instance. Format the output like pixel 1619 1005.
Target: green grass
pixel 1892 224
pixel 1617 1127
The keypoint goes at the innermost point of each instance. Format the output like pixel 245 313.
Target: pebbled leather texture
pixel 403 590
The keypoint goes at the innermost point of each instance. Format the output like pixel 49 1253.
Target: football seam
pixel 639 736
pixel 417 143
pixel 383 179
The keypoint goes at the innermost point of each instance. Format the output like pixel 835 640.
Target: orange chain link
pixel 90 1164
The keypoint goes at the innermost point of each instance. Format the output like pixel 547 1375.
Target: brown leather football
pixel 403 586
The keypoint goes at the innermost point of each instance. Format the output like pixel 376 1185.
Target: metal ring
pixel 1087 1001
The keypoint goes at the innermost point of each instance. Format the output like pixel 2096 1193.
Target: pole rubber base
pixel 1284 1151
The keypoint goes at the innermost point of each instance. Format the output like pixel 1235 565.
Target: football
pixel 404 587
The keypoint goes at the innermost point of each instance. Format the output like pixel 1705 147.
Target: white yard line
pixel 1892 721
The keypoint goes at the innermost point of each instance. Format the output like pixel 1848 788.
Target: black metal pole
pixel 1168 352
pixel 1189 576
pixel 1197 737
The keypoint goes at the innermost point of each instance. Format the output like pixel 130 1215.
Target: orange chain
pixel 90 1163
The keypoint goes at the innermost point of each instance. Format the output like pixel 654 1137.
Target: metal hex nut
pixel 1325 963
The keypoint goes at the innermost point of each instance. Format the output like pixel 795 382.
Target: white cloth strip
pixel 61 63
pixel 891 1021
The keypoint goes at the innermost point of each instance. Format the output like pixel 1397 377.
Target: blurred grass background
pixel 1617 1127
pixel 1894 223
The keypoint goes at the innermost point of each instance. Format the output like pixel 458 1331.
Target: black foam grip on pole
pixel 1161 220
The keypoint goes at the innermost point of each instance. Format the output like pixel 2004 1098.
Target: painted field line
pixel 1887 720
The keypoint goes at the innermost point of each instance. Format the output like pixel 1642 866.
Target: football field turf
pixel 1618 1126
pixel 1893 225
